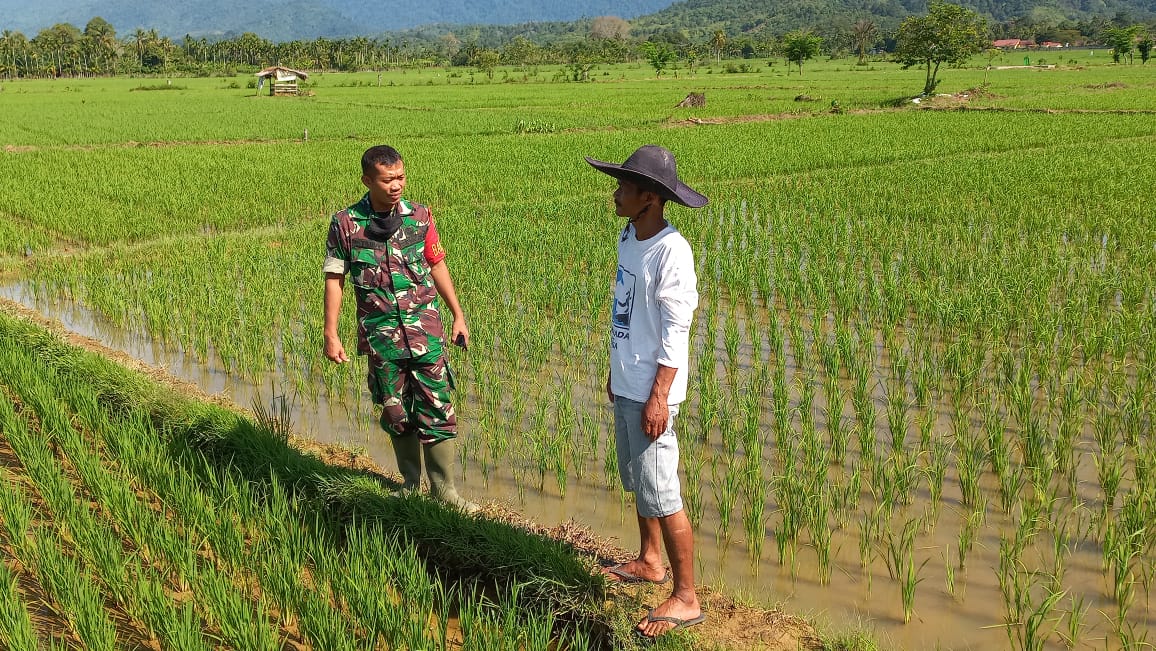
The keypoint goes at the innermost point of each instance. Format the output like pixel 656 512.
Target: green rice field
pixel 922 385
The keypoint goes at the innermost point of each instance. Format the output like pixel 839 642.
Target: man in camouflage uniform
pixel 391 251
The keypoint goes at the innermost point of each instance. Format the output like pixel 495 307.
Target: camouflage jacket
pixel 397 311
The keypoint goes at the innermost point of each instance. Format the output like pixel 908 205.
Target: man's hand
pixel 460 329
pixel 332 348
pixel 609 393
pixel 335 351
pixel 656 413
pixel 655 416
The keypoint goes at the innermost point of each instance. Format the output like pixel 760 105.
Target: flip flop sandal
pixel 679 624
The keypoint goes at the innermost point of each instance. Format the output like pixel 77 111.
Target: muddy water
pixel 971 618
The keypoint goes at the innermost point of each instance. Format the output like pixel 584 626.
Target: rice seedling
pixel 897 415
pixel 866 438
pixel 731 337
pixel 588 432
pixel 1075 619
pixel 819 523
pixel 894 481
pixel 1110 472
pixel 922 382
pixel 1121 551
pixel 1028 616
pixel 827 352
pixel 754 523
pixel 610 461
pixel 899 555
pixel 709 400
pixel 1062 544
pixel 834 398
pixel 845 497
pixel 536 456
pixel 774 333
pixel 926 423
pixel 805 408
pixel 865 412
pixel 797 341
pixel 1011 481
pixel 790 495
pixel 967 533
pixel 870 531
pixel 781 407
pixel 816 457
pixel 560 448
pixel 840 432
pixel 937 471
pixel 693 460
pixel 949 568
pixel 1132 638
pixel 727 488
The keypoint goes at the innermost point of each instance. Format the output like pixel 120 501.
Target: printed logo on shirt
pixel 623 304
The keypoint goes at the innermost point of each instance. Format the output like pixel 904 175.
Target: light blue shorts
pixel 649 469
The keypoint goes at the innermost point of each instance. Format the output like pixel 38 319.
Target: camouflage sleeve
pixel 434 251
pixel 336 249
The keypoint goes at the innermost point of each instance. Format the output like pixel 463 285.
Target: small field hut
pixel 281 80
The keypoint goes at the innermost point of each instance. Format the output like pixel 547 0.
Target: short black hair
pixel 378 155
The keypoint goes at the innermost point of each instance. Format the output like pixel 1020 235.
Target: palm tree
pixel 48 43
pixel 19 43
pixel 140 38
pixel 357 49
pixel 320 52
pixel 863 33
pixel 718 41
pixel 9 43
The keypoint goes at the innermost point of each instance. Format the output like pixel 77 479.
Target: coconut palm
pixel 719 43
pixel 13 49
pixel 140 39
pixel 863 34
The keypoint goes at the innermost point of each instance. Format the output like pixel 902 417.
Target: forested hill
pixel 497 21
pixel 698 17
pixel 281 20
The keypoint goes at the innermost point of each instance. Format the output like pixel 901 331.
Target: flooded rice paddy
pixel 956 605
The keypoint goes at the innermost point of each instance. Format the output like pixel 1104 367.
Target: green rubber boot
pixel 407 450
pixel 439 467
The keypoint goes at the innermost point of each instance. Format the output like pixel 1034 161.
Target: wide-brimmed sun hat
pixel 654 165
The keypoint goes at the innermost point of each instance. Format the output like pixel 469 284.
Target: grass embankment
pixel 133 516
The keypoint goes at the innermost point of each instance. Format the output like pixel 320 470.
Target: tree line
pixel 65 50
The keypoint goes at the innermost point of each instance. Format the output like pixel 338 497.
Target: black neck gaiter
pixel 382 227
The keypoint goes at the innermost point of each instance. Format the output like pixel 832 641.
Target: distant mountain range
pixel 308 19
pixel 303 19
pixel 775 17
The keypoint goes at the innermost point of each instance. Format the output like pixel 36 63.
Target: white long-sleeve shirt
pixel 655 295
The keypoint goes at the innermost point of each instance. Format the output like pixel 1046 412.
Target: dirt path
pixel 729 625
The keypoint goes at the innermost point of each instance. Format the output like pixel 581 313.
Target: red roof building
pixel 1012 43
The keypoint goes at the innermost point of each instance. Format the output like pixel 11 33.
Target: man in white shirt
pixel 655 296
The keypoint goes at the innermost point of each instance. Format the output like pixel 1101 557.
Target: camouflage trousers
pixel 415 396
